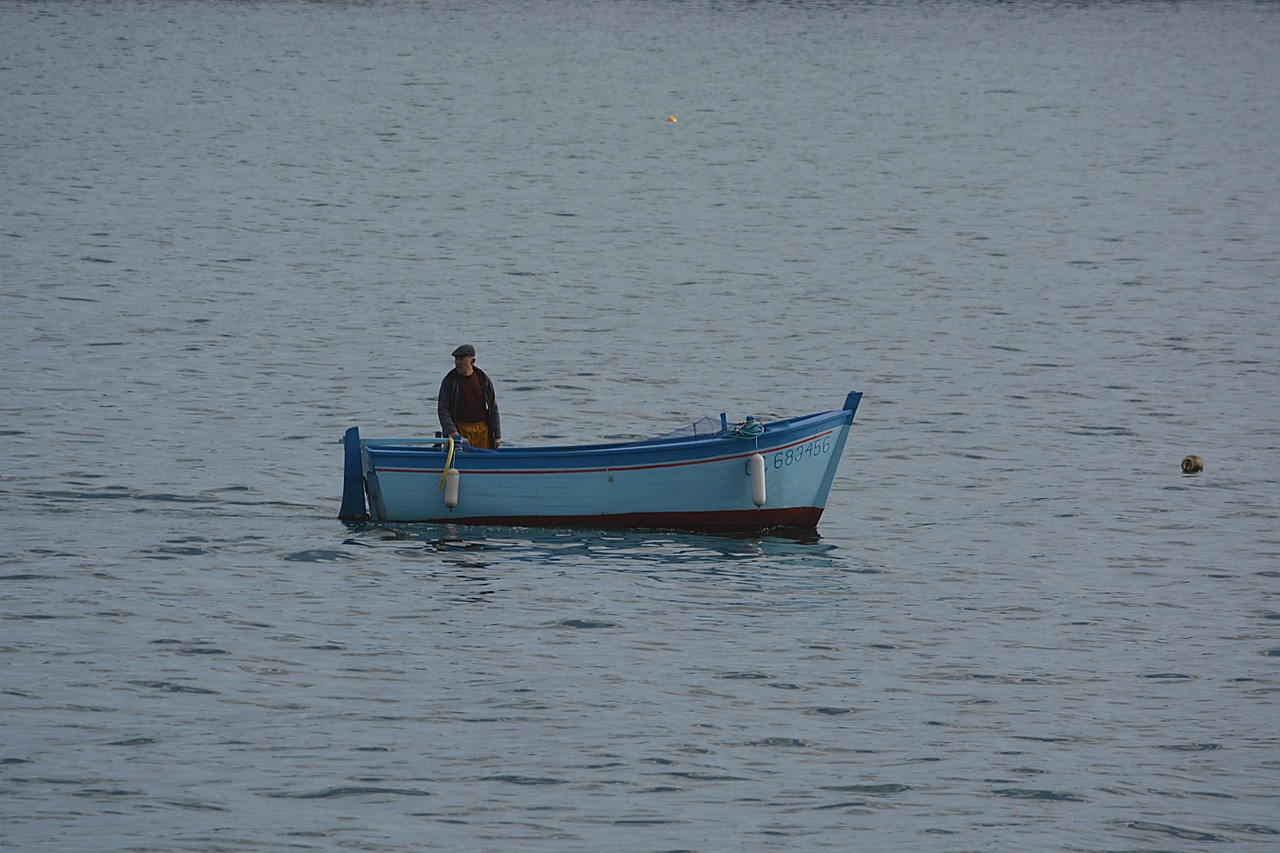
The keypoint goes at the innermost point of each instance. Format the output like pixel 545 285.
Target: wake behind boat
pixel 748 476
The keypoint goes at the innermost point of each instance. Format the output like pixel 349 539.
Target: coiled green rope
pixel 750 428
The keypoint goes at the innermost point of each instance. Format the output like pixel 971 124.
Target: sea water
pixel 1040 237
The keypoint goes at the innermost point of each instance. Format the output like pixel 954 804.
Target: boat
pixel 741 477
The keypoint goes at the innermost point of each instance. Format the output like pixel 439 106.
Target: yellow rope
pixel 448 463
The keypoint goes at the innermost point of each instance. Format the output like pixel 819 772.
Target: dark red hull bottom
pixel 731 521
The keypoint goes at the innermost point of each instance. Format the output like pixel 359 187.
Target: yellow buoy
pixel 671 119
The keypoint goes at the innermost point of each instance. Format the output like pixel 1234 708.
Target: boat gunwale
pixel 774 434
pixel 592 464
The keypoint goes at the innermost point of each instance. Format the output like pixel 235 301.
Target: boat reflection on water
pixel 474 548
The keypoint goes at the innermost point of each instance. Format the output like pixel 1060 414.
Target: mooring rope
pixel 750 428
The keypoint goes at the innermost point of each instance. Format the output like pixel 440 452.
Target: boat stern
pixel 353 505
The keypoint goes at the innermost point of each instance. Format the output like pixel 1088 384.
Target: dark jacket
pixel 447 404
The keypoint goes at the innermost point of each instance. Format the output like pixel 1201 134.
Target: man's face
pixel 463 363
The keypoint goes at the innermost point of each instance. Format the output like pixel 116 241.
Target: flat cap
pixel 464 350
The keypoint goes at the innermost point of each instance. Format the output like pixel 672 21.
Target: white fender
pixel 451 481
pixel 756 468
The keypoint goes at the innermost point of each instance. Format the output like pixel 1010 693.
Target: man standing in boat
pixel 467 406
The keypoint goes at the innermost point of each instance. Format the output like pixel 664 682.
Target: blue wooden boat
pixel 748 476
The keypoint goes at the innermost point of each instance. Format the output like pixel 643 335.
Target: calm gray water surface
pixel 1041 238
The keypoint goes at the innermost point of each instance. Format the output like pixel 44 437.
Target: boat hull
pixel 699 483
